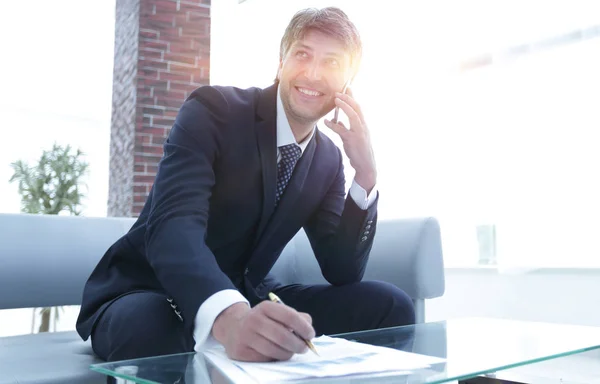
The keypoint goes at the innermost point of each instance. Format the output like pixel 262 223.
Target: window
pixel 500 148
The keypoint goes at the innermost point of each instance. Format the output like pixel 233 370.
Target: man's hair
pixel 331 21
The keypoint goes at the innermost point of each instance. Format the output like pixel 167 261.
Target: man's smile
pixel 309 92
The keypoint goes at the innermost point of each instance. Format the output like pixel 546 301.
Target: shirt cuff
pixel 208 312
pixel 359 195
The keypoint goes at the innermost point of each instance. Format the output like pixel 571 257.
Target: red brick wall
pixel 173 58
pixel 122 131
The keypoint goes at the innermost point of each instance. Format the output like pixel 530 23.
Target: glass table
pixel 472 349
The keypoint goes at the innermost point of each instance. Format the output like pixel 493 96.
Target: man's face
pixel 313 69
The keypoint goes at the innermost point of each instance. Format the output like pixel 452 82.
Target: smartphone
pixel 337 109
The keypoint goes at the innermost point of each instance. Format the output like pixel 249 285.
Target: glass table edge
pixel 513 365
pixel 108 372
pixel 100 367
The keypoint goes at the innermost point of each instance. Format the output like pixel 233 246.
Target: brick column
pixel 162 53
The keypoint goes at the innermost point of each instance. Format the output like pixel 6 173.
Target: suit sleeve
pixel 341 233
pixel 177 221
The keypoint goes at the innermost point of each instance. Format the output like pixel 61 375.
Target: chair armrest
pixel 408 254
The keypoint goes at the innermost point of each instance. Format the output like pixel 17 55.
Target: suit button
pixel 368 226
pixel 370 222
pixel 246 271
pixel 364 238
pixel 367 232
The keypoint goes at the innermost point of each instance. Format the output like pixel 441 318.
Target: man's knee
pixel 391 303
pixel 141 325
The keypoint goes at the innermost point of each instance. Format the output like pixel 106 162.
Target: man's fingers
pixel 281 335
pixel 289 318
pixel 268 332
pixel 355 120
pixel 338 127
pixel 247 353
pixel 301 327
pixel 268 348
pixel 348 98
pixel 306 317
pixel 254 346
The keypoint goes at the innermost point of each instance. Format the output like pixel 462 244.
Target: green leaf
pixel 54 184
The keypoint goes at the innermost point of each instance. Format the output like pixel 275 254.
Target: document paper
pixel 337 357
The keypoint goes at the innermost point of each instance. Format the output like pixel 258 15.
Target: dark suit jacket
pixel 210 221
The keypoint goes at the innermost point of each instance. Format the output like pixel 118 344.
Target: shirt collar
pixel 285 135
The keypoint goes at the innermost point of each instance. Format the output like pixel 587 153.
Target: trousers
pixel 143 324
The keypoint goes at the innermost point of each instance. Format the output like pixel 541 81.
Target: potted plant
pixel 51 187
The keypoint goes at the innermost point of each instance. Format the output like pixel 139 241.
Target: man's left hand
pixel 356 140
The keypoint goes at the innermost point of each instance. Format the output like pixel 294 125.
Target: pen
pixel 274 298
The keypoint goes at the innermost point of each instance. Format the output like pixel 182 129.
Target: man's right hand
pixel 262 333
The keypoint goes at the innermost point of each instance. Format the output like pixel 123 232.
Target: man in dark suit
pixel 243 171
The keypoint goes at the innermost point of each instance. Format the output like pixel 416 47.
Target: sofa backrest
pixel 46 259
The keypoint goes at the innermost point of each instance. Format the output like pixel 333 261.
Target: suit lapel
pixel 293 191
pixel 266 137
pixel 285 218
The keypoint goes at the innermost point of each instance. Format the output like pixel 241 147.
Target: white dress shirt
pixel 215 304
